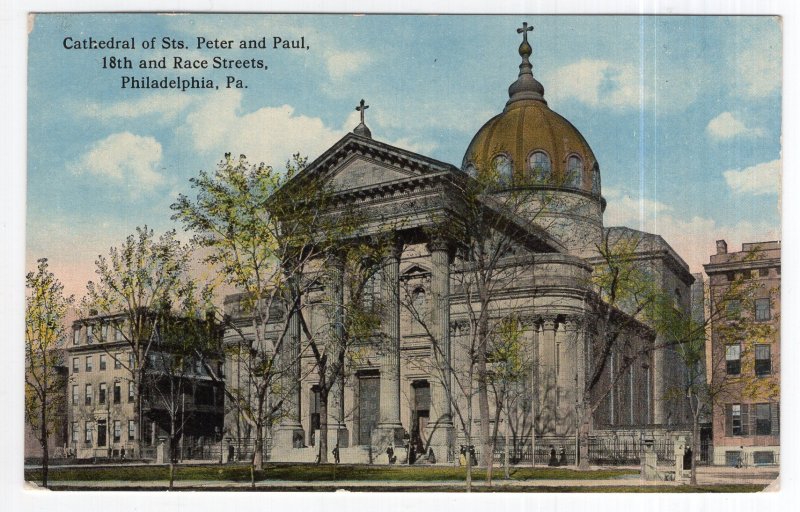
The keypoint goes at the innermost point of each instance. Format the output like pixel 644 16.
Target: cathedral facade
pixel 418 386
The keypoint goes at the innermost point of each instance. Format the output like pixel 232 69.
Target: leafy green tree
pixel 45 310
pixel 708 385
pixel 142 275
pixel 352 316
pixel 262 230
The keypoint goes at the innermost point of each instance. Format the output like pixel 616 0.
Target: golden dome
pixel 529 144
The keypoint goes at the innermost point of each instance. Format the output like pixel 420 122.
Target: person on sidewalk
pixel 553 461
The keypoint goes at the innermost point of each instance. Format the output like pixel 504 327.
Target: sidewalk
pixel 706 476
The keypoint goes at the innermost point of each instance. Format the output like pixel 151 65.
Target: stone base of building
pixel 338 435
pixel 746 456
pixel 440 440
pixel 288 436
pixel 387 436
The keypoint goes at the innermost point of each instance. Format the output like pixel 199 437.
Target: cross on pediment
pixel 361 108
pixel 524 31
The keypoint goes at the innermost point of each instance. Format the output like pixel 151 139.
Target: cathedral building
pixel 535 281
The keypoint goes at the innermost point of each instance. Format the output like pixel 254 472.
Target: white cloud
pixel 759 179
pixel 342 64
pixel 269 134
pixel 597 83
pixel 625 210
pixel 125 158
pixel 727 126
pixel 165 105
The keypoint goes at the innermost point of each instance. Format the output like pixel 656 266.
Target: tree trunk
pixel 490 460
pixel 44 440
pixel 258 448
pixel 483 389
pixel 468 458
pixel 695 447
pixel 323 427
pixel 506 472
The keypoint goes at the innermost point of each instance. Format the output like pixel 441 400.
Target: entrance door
pixel 369 387
pixel 420 414
pixel 101 432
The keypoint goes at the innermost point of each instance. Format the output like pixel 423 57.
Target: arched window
pixel 540 167
pixel 595 180
pixel 574 176
pixel 502 165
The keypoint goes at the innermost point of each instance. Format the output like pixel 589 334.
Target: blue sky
pixel 683 114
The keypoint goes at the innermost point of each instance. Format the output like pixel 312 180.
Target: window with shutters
pixel 737 419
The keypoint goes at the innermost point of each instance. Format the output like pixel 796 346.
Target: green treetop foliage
pixel 45 310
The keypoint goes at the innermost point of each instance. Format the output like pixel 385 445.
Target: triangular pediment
pixel 356 162
pixel 360 171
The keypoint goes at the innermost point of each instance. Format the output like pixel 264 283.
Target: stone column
pixel 289 433
pixel 547 379
pixel 389 430
pixel 440 425
pixel 337 431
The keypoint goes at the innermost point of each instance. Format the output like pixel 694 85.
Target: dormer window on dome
pixel 504 169
pixel 574 176
pixel 540 167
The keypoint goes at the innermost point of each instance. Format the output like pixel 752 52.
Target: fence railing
pixel 605 448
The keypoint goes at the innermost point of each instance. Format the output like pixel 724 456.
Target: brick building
pixel 745 373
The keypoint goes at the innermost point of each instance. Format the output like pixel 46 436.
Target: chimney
pixel 722 247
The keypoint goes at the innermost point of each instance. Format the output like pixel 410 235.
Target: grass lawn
pixel 315 473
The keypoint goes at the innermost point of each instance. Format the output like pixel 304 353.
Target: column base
pixel 337 435
pixel 387 436
pixel 440 439
pixel 288 436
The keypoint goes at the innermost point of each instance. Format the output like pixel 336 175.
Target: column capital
pixel 438 242
pixel 549 322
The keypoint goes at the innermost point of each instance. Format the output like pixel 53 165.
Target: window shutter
pixel 746 420
pixel 775 417
pixel 728 420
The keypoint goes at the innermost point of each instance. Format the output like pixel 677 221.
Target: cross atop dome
pixel 526 87
pixel 524 31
